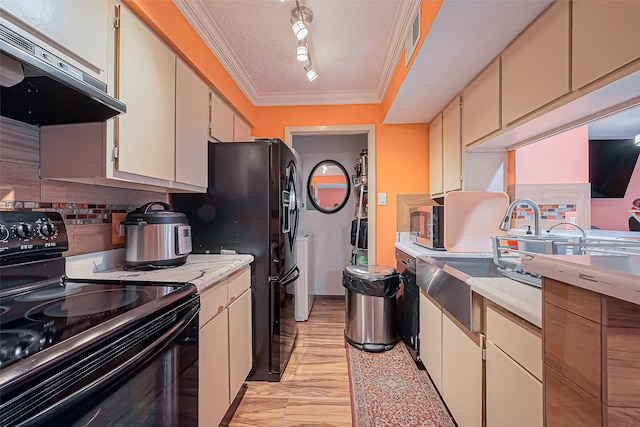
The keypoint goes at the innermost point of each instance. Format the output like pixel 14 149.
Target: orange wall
pixel 402 155
pixel 402 162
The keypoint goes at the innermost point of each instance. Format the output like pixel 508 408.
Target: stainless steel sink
pixel 444 280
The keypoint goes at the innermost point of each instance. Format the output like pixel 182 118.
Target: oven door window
pixel 163 393
pixel 153 383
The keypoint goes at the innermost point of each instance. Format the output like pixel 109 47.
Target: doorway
pixel 331 232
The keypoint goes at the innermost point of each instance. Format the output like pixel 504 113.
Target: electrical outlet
pixel 382 199
pixel 117 228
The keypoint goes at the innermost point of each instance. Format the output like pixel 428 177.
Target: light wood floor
pixel 314 390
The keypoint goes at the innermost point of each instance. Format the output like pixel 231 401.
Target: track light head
pixel 312 74
pixel 302 51
pixel 301 16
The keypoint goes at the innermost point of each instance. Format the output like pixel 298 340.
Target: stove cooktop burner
pixel 86 304
pixel 16 344
pixel 47 294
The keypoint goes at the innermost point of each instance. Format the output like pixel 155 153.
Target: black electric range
pixel 70 348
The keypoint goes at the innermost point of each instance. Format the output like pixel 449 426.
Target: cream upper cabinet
pixel 462 374
pixel 79 28
pixel 435 156
pixel 431 339
pixel 192 127
pixel 604 38
pixel 147 76
pixel 481 105
pixel 241 129
pixel 221 119
pixel 451 147
pixel 535 68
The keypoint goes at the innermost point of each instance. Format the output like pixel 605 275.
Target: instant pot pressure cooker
pixel 156 238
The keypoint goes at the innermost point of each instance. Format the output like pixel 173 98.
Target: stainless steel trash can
pixel 370 306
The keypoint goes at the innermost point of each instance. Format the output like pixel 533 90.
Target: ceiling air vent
pixel 412 39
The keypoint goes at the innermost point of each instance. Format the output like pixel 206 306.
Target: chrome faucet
pixel 506 222
pixel 584 235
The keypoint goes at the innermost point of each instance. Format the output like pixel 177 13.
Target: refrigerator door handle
pixel 286 226
pixel 291 277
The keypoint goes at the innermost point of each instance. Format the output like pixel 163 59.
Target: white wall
pixel 331 232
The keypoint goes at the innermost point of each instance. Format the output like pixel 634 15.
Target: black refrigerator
pixel 251 207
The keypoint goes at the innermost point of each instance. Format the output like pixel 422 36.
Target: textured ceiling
pixel 355 46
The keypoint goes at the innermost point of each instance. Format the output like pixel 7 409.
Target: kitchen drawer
pixel 521 344
pixel 213 301
pixel 572 346
pixel 566 404
pixel 513 395
pixel 238 283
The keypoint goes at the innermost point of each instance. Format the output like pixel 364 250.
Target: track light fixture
pixel 301 16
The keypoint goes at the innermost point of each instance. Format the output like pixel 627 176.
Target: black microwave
pixel 426 226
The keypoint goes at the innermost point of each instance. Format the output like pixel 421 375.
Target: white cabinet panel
pixel 241 129
pixel 514 396
pixel 221 119
pixel 80 28
pixel 521 344
pixel 481 105
pixel 192 126
pixel 461 375
pixel 451 147
pixel 604 38
pixel 240 347
pixel 431 339
pixel 147 86
pixel 535 68
pixel 435 155
pixel 213 376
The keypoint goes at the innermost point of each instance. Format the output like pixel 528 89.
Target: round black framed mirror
pixel 328 186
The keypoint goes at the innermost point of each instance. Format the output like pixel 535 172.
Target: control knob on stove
pixel 47 229
pixel 4 233
pixel 23 230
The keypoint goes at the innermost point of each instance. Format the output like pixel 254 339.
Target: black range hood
pixel 41 89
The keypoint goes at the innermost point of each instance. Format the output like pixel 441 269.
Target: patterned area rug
pixel 387 389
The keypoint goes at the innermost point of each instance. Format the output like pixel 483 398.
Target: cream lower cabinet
pixel 240 347
pixel 514 396
pixel 213 381
pixel 431 339
pixel 225 345
pixel 462 374
pixel 513 371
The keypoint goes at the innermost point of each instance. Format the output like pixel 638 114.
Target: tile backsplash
pixel 72 213
pixel 556 212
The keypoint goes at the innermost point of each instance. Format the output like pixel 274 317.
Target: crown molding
pixel 198 17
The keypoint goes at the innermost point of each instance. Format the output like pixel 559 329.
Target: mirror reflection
pixel 328 186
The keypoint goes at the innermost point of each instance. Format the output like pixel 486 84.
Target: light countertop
pixel 416 251
pixel 616 276
pixel 522 300
pixel 201 270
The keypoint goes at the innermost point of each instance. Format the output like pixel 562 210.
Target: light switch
pixel 382 199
